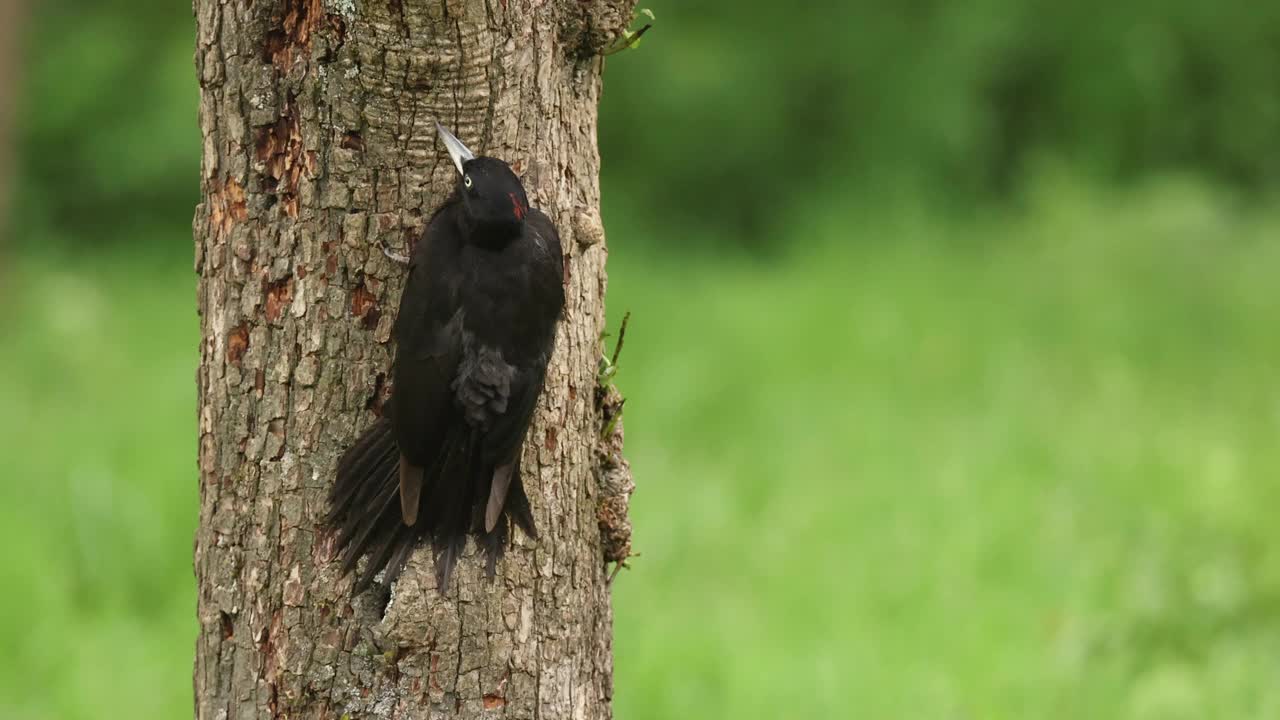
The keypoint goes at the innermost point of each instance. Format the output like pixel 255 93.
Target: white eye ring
pixel 466 180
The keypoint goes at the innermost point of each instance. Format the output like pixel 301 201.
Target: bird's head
pixel 491 193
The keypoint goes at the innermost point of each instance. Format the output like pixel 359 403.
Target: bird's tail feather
pixel 358 462
pixel 448 501
pixel 494 543
pixel 517 506
pixel 447 550
pixel 495 537
pixel 365 507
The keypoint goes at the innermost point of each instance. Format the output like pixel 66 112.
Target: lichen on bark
pixel 318 151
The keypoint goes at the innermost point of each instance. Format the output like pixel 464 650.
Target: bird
pixel 473 337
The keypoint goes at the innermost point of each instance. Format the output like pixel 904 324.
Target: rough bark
pixel 318 149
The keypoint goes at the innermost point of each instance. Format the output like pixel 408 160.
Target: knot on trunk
pixel 591 27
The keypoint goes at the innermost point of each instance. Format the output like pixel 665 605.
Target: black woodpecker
pixel 475 331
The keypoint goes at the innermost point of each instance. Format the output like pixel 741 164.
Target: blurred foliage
pixel 108 146
pixel 739 108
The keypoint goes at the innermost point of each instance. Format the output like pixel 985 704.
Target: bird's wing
pixel 500 445
pixel 548 258
pixel 428 347
pixel 505 433
pixel 497 400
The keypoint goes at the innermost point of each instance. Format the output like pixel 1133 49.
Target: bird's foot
pixel 394 256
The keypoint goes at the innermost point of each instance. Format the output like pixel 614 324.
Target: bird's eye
pixel 466 180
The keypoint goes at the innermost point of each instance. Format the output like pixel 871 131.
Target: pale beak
pixel 457 150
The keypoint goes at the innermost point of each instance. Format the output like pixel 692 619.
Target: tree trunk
pixel 319 149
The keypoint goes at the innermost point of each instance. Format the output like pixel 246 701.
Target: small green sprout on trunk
pixel 630 39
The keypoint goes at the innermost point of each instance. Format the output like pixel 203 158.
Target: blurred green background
pixel 953 374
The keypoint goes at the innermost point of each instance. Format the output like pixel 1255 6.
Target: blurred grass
pixel 1018 468
pixel 1018 465
pixel 97 383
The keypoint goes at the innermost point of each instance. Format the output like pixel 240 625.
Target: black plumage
pixel 473 336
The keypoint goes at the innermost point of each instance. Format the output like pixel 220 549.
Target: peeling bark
pixel 318 151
